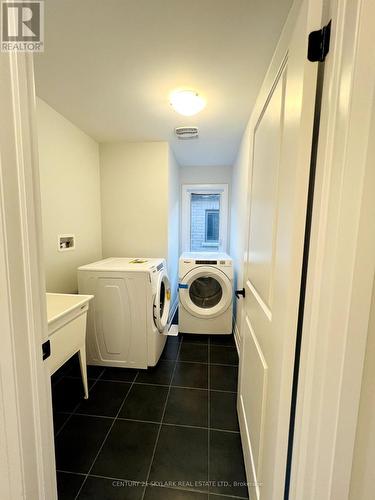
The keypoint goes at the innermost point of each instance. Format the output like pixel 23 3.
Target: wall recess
pixel 66 242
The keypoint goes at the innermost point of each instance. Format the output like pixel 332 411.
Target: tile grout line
pixel 161 422
pixel 106 437
pixel 166 385
pixel 71 472
pixel 206 363
pixel 155 422
pixel 76 407
pixel 94 415
pixel 203 342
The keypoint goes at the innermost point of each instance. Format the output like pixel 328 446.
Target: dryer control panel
pixel 191 260
pixel 206 259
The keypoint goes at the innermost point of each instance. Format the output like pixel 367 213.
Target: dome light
pixel 187 102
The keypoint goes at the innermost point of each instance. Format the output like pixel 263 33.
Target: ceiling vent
pixel 186 132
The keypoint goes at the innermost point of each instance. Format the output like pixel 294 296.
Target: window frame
pixel 186 191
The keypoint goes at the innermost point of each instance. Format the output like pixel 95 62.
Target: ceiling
pixel 110 65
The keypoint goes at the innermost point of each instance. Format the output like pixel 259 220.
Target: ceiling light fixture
pixel 187 102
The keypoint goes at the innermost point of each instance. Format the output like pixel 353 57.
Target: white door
pixel 279 178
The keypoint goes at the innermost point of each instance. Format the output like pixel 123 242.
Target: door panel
pixel 262 239
pixel 279 176
pixel 263 202
pixel 255 407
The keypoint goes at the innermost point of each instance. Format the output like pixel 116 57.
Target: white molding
pixel 186 190
pixel 26 416
pixel 253 486
pixel 237 337
pixel 341 265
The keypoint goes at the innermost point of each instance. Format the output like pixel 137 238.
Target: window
pixel 212 226
pixel 204 218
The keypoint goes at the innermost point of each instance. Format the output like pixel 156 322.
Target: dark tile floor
pixel 173 427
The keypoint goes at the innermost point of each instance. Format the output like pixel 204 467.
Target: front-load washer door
pixel 162 301
pixel 205 292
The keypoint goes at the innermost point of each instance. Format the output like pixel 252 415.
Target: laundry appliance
pixel 205 293
pixel 128 316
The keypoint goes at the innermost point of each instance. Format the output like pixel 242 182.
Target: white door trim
pixel 27 465
pixel 341 264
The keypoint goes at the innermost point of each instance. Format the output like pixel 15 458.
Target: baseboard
pixel 236 336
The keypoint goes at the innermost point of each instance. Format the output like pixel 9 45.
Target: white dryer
pixel 129 312
pixel 205 293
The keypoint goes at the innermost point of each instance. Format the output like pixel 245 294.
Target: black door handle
pixel 240 292
pixel 46 350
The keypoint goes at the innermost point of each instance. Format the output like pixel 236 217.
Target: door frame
pixel 341 262
pixel 27 462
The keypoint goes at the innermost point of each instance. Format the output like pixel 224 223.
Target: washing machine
pixel 205 293
pixel 129 314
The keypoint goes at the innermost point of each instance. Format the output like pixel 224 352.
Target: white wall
pixel 206 175
pixel 363 471
pixel 70 192
pixel 134 187
pixel 173 223
pixel 239 219
pixel 140 202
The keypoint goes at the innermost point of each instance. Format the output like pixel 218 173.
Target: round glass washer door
pixel 208 293
pixel 162 301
